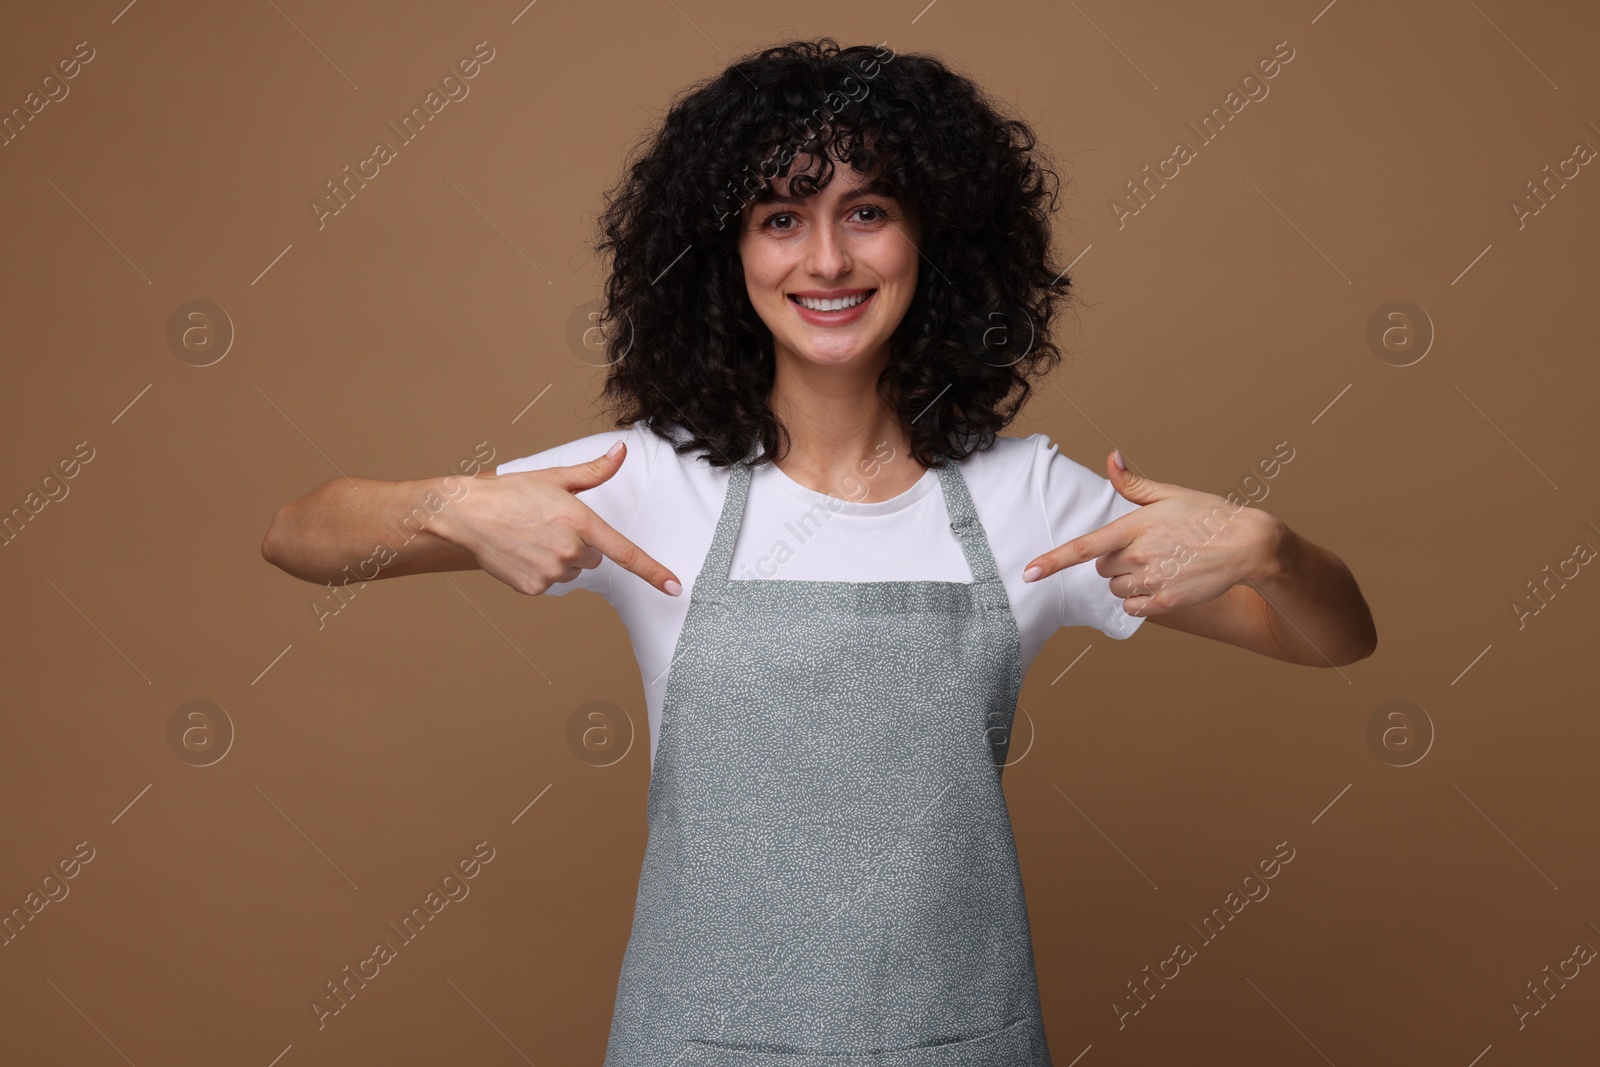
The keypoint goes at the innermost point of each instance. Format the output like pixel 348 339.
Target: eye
pixel 769 223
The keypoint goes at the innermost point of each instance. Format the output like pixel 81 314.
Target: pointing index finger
pixel 1081 549
pixel 627 555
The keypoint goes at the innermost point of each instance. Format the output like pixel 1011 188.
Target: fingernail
pixel 1032 573
pixel 1116 457
pixel 611 453
pixel 672 587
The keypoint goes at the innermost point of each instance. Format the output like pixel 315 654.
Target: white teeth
pixel 832 305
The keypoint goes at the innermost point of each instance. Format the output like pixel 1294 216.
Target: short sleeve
pixel 616 500
pixel 1077 501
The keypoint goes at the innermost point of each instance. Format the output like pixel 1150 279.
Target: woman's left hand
pixel 1182 547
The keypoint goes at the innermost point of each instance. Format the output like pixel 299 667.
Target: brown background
pixel 370 756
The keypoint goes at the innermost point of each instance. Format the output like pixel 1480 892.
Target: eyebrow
pixel 770 195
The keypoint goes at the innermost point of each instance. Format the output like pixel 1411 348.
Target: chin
pixel 832 359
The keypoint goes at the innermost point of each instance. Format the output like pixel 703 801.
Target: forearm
pixel 1314 608
pixel 367 529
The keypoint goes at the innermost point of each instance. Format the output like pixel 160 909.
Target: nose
pixel 828 254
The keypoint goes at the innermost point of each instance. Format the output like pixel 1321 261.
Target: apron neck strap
pixel 964 523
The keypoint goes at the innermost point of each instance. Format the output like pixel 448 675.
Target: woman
pixel 831 288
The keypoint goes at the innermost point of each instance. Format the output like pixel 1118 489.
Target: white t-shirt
pixel 1028 496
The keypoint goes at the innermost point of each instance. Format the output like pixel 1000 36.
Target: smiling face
pixel 832 274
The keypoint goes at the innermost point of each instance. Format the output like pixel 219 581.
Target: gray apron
pixel 830 876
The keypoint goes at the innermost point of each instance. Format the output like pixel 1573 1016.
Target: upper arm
pixel 1073 501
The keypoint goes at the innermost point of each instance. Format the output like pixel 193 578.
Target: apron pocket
pixel 1009 1046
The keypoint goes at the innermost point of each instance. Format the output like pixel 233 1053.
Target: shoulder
pixel 1002 480
pixel 1005 452
pixel 1029 478
pixel 1033 459
pixel 690 464
pixel 643 449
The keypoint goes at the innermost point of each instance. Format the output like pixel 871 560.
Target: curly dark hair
pixel 684 344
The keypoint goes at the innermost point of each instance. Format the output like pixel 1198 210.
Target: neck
pixel 837 423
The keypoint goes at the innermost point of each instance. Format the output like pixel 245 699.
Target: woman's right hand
pixel 530 530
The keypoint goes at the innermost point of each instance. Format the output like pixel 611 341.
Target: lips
pixel 864 295
pixel 842 317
